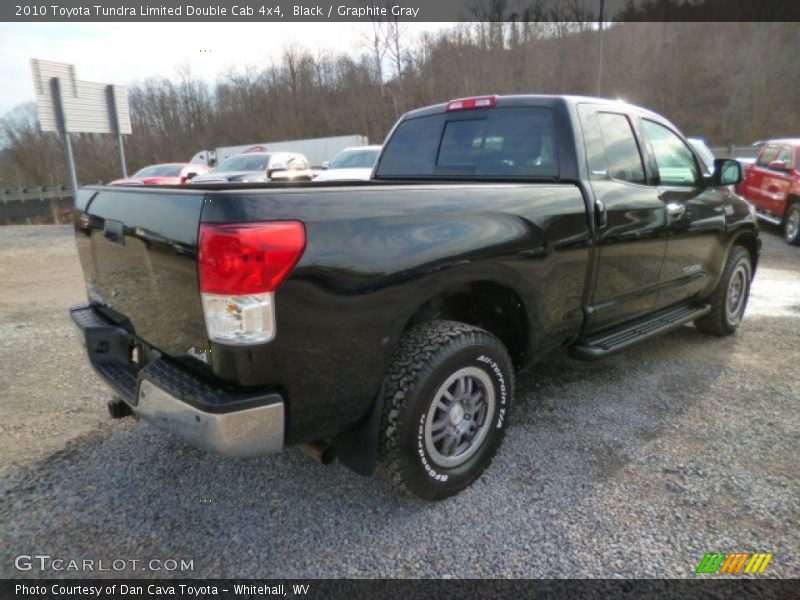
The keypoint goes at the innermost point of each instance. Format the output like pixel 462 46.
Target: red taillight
pixel 474 102
pixel 248 258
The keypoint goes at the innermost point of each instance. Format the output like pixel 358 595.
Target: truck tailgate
pixel 138 250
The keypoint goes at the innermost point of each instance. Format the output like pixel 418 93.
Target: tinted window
pixel 767 155
pixel 676 162
pixel 412 148
pixel 500 142
pixel 785 155
pixel 623 160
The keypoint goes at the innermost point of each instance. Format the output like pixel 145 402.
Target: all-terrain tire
pixel 452 373
pixel 728 304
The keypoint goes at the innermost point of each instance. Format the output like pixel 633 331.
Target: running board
pixel 768 218
pixel 600 345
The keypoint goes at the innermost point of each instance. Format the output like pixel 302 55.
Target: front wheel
pixel 446 400
pixel 730 296
pixel 791 225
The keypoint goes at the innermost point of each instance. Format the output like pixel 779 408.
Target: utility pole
pixel 600 50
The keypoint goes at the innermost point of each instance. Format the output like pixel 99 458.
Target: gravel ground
pixel 635 466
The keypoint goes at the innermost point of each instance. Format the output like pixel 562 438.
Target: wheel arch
pixel 491 305
pixel 748 238
pixel 792 198
pixel 496 307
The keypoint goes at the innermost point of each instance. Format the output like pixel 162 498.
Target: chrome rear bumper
pixel 246 432
pixel 172 398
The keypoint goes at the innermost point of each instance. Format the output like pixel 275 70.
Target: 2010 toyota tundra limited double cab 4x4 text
pixel 384 321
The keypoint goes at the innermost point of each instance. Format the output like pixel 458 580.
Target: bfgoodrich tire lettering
pixel 452 373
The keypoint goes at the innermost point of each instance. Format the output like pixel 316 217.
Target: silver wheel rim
pixel 793 225
pixel 737 294
pixel 459 418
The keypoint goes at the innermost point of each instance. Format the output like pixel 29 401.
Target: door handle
pixel 600 214
pixel 676 209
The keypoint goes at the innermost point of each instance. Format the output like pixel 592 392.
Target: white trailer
pixel 317 150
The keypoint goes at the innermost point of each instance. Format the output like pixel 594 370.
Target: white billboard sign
pixel 86 104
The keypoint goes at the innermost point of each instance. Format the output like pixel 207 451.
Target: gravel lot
pixel 633 466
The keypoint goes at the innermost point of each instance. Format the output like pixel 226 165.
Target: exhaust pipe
pixel 320 451
pixel 118 408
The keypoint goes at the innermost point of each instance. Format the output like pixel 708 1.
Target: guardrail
pixel 35 204
pixel 41 193
pixel 732 151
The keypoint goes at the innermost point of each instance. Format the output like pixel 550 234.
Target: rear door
pixel 695 214
pixel 632 243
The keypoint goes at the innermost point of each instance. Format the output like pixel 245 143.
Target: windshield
pixel 355 159
pixel 244 162
pixel 159 171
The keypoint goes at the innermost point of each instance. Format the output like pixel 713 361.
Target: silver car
pixel 259 167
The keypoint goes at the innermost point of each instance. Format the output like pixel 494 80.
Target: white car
pixel 351 164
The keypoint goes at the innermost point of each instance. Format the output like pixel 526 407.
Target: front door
pixel 695 215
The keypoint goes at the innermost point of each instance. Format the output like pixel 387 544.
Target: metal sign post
pixel 61 124
pixel 113 117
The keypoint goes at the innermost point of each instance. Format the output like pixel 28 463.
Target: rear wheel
pixel 791 225
pixel 446 402
pixel 729 299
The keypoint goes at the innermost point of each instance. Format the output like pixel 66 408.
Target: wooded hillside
pixel 727 82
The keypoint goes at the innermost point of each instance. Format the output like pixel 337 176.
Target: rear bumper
pixel 174 400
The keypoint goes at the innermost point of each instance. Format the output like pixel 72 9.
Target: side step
pixel 600 345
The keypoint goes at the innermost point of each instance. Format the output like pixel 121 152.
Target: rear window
pixel 512 142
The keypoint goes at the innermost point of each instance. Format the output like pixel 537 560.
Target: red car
pixel 772 185
pixel 164 174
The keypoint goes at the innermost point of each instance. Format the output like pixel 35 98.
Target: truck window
pixel 767 155
pixel 623 159
pixel 676 163
pixel 511 142
pixel 785 155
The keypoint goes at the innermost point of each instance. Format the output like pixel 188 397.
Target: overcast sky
pixel 124 53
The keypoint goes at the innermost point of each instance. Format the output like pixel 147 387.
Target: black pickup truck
pixel 382 323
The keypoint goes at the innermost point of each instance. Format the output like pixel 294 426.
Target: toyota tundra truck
pixel 382 323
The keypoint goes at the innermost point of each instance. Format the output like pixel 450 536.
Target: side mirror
pixel 325 165
pixel 190 175
pixel 777 165
pixel 727 171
